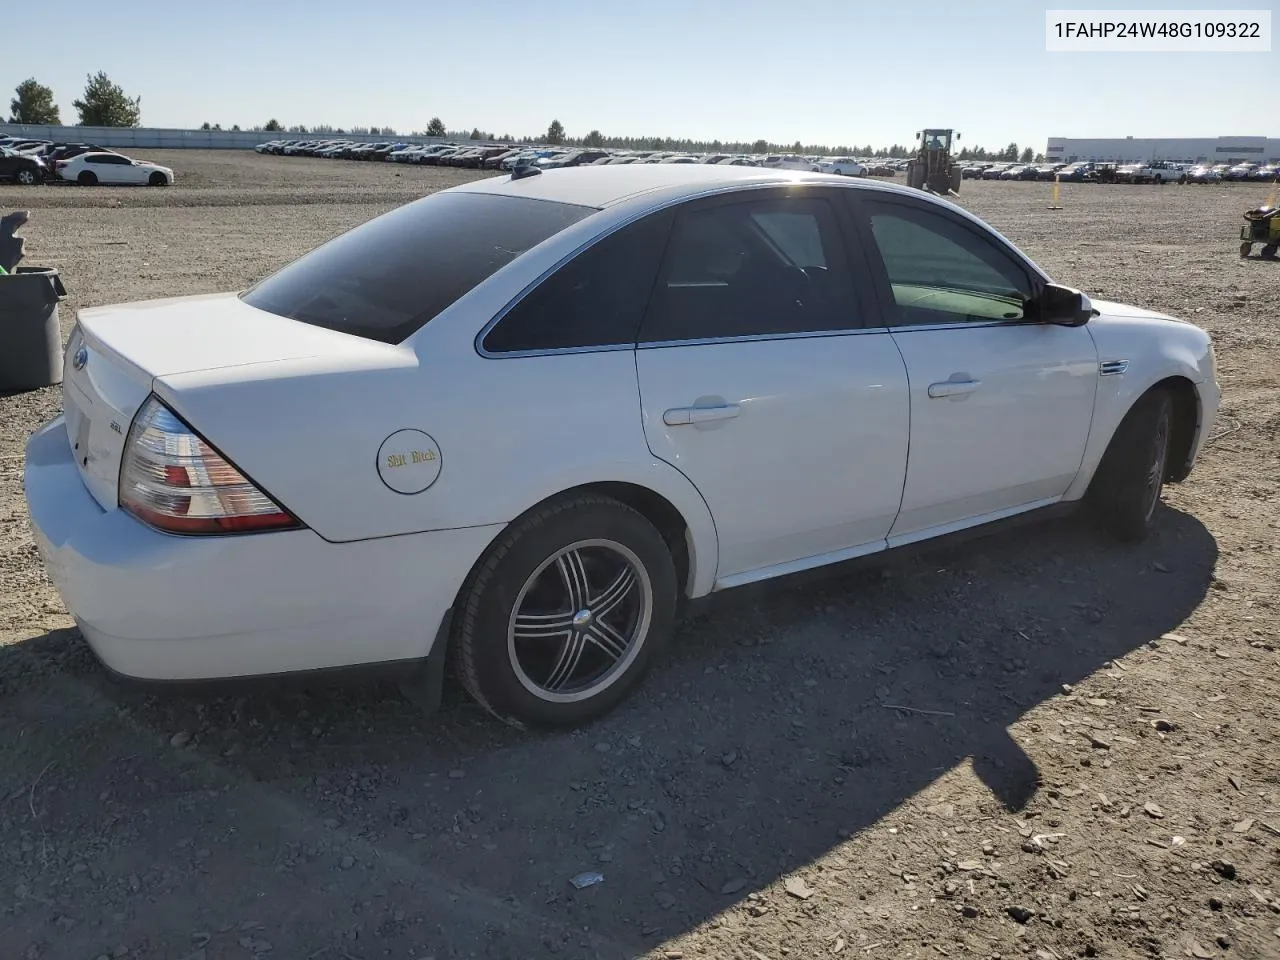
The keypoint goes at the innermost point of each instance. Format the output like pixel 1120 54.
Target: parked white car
pixel 90 169
pixel 842 166
pixel 1161 171
pixel 518 422
pixel 789 162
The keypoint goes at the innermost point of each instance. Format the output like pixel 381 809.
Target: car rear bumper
pixel 160 607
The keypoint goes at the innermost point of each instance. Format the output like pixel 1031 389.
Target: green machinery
pixel 932 168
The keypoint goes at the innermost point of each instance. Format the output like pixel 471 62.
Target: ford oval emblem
pixel 81 358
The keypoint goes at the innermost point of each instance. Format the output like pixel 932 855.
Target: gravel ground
pixel 1036 744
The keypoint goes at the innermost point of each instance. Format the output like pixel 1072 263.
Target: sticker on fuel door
pixel 409 461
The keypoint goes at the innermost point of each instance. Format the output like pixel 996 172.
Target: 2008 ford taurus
pixel 518 422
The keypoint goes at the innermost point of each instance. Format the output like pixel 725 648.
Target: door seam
pixel 906 470
pixel 635 359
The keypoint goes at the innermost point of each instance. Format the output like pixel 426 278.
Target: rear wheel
pixel 157 179
pixel 564 615
pixel 1125 491
pixel 1245 249
pixel 1269 251
pixel 87 178
pixel 28 177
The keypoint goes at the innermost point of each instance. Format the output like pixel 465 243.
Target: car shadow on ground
pixel 777 724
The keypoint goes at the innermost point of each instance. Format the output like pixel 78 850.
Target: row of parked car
pixel 507 157
pixel 1093 171
pixel 32 162
pixel 986 170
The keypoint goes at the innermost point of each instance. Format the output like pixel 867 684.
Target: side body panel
pixel 811 463
pixel 999 419
pixel 1153 348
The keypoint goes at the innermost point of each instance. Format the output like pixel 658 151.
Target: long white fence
pixel 157 138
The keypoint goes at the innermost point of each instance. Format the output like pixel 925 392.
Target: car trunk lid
pixel 116 353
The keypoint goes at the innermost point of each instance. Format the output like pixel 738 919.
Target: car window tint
pixel 795 233
pixel 943 272
pixel 388 277
pixel 752 268
pixel 597 299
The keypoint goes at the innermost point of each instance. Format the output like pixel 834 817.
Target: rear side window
pixel 597 299
pixel 752 268
pixel 386 278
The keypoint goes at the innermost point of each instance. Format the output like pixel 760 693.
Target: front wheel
pixel 157 179
pixel 28 178
pixel 1125 491
pixel 1269 251
pixel 566 612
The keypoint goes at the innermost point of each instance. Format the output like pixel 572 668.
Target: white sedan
pixel 91 169
pixel 517 423
pixel 843 166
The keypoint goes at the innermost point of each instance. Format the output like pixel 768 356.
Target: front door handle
pixel 678 416
pixel 953 388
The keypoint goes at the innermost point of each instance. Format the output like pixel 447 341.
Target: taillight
pixel 173 480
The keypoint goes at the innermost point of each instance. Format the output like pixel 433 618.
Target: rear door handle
pixel 953 388
pixel 678 416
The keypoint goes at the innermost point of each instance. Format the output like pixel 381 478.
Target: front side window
pixel 597 299
pixel 388 277
pixel 752 268
pixel 940 271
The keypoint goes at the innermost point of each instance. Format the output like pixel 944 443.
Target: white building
pixel 1179 149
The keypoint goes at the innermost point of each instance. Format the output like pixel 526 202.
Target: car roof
pixel 604 186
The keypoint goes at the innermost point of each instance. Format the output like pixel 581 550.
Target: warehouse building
pixel 1177 149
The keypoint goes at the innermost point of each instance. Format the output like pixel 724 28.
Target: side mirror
pixel 1064 306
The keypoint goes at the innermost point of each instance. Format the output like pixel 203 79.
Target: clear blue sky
pixel 842 72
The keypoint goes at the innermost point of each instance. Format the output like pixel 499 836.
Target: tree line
pixel 105 104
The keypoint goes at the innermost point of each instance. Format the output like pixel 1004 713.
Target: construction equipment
pixel 1261 226
pixel 932 168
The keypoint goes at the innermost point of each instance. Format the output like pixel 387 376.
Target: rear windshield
pixel 386 278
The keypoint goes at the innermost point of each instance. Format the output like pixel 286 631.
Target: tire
pixel 87 178
pixel 157 179
pixel 1245 249
pixel 1269 251
pixel 28 177
pixel 1158 180
pixel 1125 492
pixel 544 569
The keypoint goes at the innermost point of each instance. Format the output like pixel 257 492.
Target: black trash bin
pixel 30 334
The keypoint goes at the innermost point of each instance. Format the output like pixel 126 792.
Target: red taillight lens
pixel 173 480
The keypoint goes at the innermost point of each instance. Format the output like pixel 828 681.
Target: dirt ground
pixel 1037 744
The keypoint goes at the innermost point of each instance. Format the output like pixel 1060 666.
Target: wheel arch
pixel 684 522
pixel 1188 421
